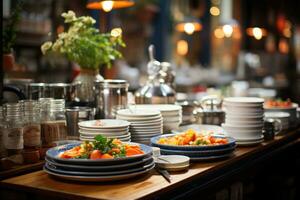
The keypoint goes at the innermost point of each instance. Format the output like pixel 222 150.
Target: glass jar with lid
pixel 53 125
pixel 32 123
pixel 2 128
pixel 13 132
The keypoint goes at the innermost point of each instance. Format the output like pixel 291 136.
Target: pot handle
pixel 16 90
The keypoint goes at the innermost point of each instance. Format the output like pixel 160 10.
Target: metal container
pixel 209 112
pixel 37 90
pixel 188 107
pixel 67 91
pixel 110 96
pixel 75 115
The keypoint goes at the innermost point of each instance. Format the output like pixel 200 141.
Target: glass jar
pixel 53 125
pixel 2 128
pixel 32 123
pixel 13 132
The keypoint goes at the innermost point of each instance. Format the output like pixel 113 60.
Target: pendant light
pixel 108 5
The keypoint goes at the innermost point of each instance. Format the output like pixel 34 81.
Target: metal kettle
pixel 209 111
pixel 156 90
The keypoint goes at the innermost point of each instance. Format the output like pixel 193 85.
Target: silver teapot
pixel 158 89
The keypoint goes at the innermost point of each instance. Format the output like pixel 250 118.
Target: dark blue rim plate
pixel 97 178
pixel 54 152
pixel 112 173
pixel 100 168
pixel 204 153
pixel 231 142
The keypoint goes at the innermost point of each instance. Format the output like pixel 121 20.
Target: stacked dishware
pixel 144 123
pixel 110 128
pixel 282 116
pixel 99 170
pixel 291 110
pixel 172 114
pixel 197 153
pixel 244 119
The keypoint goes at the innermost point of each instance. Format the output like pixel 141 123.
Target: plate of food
pixel 192 140
pixel 102 150
pixel 104 124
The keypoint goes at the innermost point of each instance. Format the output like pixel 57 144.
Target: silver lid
pixel 111 83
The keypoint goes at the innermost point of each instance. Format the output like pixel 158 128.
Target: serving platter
pixel 105 124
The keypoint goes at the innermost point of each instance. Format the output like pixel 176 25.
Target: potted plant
pixel 9 38
pixel 84 45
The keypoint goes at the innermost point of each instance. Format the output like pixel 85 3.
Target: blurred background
pixel 244 45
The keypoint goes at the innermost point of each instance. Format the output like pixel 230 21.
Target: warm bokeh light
pixel 283 46
pixel 182 47
pixel 189 28
pixel 215 11
pixel 228 30
pixel 116 32
pixel 256 32
pixel 107 5
pixel 219 33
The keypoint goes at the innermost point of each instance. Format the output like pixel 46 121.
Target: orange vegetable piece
pixel 106 156
pixel 96 154
pixel 133 151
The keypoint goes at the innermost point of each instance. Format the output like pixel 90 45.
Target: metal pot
pixel 67 91
pixel 209 111
pixel 110 96
pixel 37 90
pixel 188 107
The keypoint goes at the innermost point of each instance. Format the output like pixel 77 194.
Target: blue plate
pixel 202 153
pixel 53 168
pixel 97 178
pixel 55 151
pixel 231 143
pixel 101 168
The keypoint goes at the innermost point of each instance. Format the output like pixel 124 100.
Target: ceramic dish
pixel 141 119
pixel 138 113
pixel 231 142
pixel 97 130
pixel 106 173
pixel 211 158
pixel 53 154
pixel 97 178
pixel 105 124
pixel 172 160
pixel 217 130
pixel 205 153
pixel 103 168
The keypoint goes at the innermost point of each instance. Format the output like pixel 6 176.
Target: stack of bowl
pixel 282 116
pixel 110 128
pixel 172 114
pixel 144 123
pixel 100 170
pixel 244 119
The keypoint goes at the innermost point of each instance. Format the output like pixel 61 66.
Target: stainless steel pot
pixel 37 90
pixel 188 107
pixel 110 96
pixel 209 112
pixel 67 91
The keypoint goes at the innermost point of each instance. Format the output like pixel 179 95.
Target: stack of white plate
pixel 144 123
pixel 110 128
pixel 282 116
pixel 244 119
pixel 172 114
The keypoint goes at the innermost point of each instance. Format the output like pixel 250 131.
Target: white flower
pixel 62 35
pixel 69 16
pixel 46 46
pixel 88 20
pixel 57 45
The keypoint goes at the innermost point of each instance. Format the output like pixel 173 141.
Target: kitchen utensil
pixel 67 91
pixel 210 112
pixel 271 128
pixel 110 96
pixel 37 90
pixel 75 115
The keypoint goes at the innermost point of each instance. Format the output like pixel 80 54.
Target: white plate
pixel 243 126
pixel 277 115
pixel 247 143
pixel 105 124
pixel 146 129
pixel 138 112
pixel 249 139
pixel 95 132
pixel 239 122
pixel 140 119
pixel 91 139
pixel 117 136
pixel 244 100
pixel 148 123
pixel 160 107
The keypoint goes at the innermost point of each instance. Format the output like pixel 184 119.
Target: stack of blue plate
pixel 197 153
pixel 97 170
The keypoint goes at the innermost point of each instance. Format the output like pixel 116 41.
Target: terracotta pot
pixel 8 62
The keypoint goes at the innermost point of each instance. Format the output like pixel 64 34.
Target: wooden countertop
pixel 143 187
